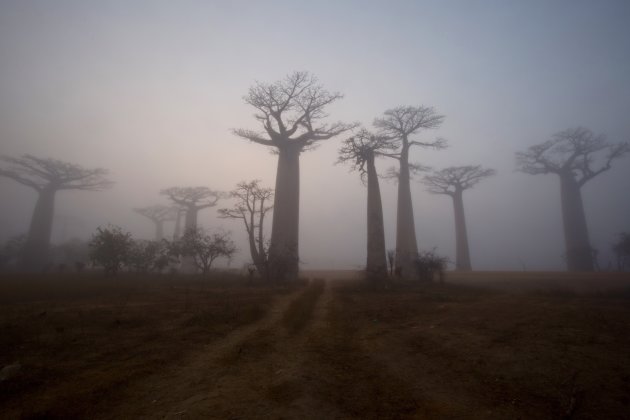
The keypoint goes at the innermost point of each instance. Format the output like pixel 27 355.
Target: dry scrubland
pixel 483 345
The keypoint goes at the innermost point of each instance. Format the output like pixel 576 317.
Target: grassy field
pixel 483 345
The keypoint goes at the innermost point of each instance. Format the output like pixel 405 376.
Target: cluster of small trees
pixel 292 114
pixel 115 250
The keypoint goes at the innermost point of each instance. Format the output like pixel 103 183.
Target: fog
pixel 151 90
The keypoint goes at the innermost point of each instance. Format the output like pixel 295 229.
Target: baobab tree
pixel 158 214
pixel 453 181
pixel 360 151
pixel 47 177
pixel 291 112
pixel 177 232
pixel 192 199
pixel 253 202
pixel 576 156
pixel 401 124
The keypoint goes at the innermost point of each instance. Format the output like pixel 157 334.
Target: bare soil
pixel 483 345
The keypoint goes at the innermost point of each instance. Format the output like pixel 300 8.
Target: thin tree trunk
pixel 462 257
pixel 284 251
pixel 578 249
pixel 376 265
pixel 36 249
pixel 252 248
pixel 406 244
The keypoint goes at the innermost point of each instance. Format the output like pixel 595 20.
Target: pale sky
pixel 151 89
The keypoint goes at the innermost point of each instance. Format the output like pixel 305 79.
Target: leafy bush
pixel 110 248
pixel 428 264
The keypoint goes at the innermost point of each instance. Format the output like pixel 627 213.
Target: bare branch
pixel 455 179
pixel 571 152
pixel 54 174
pixel 404 121
pixel 193 197
pixel 363 147
pixel 291 111
pixel 158 213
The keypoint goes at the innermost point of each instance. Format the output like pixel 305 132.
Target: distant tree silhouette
pixel 147 256
pixel 204 248
pixel 453 181
pixel 290 112
pixel 252 205
pixel 572 155
pixel 47 176
pixel 193 199
pixel 11 252
pixel 400 124
pixel 110 248
pixel 621 248
pixel 360 152
pixel 158 214
pixel 177 232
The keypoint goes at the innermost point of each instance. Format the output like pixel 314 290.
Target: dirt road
pixel 255 372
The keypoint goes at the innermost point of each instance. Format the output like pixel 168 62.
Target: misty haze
pixel 240 209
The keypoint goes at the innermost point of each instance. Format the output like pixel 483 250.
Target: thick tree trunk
pixel 191 218
pixel 376 265
pixel 406 244
pixel 462 257
pixel 284 251
pixel 178 225
pixel 159 229
pixel 35 256
pixel 190 222
pixel 578 248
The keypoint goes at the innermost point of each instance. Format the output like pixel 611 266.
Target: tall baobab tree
pixel 46 177
pixel 401 124
pixel 360 151
pixel 291 113
pixel 158 214
pixel 576 156
pixel 177 232
pixel 192 199
pixel 252 205
pixel 453 181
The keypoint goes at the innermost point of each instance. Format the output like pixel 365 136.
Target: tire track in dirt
pixel 154 396
pixel 255 372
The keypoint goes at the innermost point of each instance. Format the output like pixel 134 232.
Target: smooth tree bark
pixel 400 124
pixel 192 200
pixel 158 214
pixel 177 232
pixel 360 151
pixel 291 113
pixel 576 156
pixel 453 181
pixel 47 177
pixel 251 206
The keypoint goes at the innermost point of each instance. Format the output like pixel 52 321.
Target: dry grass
pixel 483 345
pixel 461 351
pixel 81 339
pixel 301 309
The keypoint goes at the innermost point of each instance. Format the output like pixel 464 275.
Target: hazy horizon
pixel 151 90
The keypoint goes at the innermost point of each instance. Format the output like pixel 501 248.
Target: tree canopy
pixel 291 112
pixel 456 178
pixel 53 174
pixel 574 151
